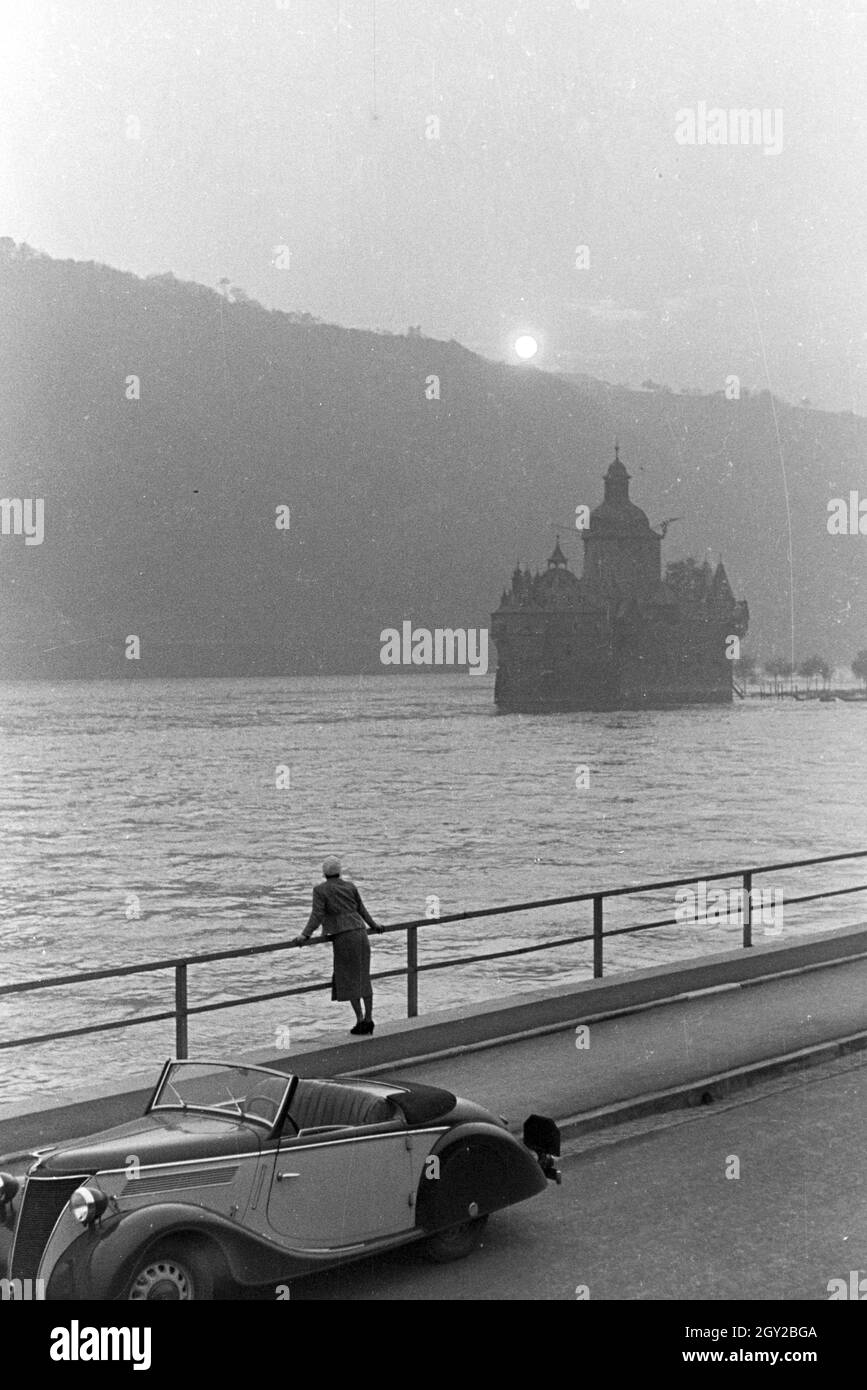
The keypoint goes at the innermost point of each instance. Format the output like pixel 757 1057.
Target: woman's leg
pixel 356 1006
pixel 368 1006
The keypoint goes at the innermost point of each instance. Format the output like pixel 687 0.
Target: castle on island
pixel 621 636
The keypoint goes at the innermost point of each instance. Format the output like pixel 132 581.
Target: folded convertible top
pixel 419 1103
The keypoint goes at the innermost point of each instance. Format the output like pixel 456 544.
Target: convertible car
pixel 243 1176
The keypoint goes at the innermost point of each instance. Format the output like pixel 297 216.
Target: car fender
pixel 98 1264
pixel 8 1218
pixel 480 1168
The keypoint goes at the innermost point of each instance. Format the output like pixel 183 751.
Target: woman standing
pixel 338 909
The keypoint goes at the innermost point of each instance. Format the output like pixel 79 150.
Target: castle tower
pixel 621 550
pixel 557 559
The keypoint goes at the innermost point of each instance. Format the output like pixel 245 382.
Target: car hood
pixel 167 1137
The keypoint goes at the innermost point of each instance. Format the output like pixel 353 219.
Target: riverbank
pixel 644 1039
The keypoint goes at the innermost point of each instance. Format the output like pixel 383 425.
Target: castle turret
pixel 621 550
pixel 720 588
pixel 616 481
pixel 557 558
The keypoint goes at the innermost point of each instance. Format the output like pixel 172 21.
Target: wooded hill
pixel 161 510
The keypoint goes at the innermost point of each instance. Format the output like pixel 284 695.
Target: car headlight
pixel 8 1188
pixel 87 1204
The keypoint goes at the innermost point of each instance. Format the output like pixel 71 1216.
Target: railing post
pixel 597 937
pixel 748 909
pixel 181 1010
pixel 412 972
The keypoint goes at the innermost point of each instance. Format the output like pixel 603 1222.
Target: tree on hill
pixel 859 667
pixel 9 251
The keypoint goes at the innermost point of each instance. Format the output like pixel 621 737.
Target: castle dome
pixel 616 513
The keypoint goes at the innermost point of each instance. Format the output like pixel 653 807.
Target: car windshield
pixel 248 1093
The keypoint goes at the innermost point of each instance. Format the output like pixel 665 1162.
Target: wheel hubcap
pixel 163 1281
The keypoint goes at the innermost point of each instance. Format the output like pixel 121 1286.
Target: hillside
pixel 160 512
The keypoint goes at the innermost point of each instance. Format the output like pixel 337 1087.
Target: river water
pixel 146 819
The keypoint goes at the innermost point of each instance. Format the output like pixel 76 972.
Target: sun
pixel 526 347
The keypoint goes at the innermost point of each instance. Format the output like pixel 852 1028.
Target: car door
pixel 334 1192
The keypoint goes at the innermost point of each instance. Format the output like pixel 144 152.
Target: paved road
pixel 653 1216
pixel 654 1049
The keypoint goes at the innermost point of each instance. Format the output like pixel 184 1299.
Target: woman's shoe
pixel 360 1027
pixel 368 1025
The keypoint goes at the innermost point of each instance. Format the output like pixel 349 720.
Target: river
pixel 144 819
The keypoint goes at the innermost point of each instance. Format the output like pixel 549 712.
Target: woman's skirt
pixel 351 978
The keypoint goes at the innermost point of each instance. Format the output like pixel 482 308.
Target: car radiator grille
pixel 42 1202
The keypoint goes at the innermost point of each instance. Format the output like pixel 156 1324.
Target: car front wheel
pixel 456 1243
pixel 170 1274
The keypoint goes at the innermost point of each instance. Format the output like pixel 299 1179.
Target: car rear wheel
pixel 455 1243
pixel 174 1272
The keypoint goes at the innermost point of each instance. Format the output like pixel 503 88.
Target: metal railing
pixel 183 1010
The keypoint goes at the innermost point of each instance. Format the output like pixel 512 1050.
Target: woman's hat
pixel 331 867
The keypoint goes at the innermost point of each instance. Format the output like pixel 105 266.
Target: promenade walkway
pixel 656 1048
pixel 647 1037
pixel 650 1210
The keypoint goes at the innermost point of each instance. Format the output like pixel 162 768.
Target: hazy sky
pixel 198 137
